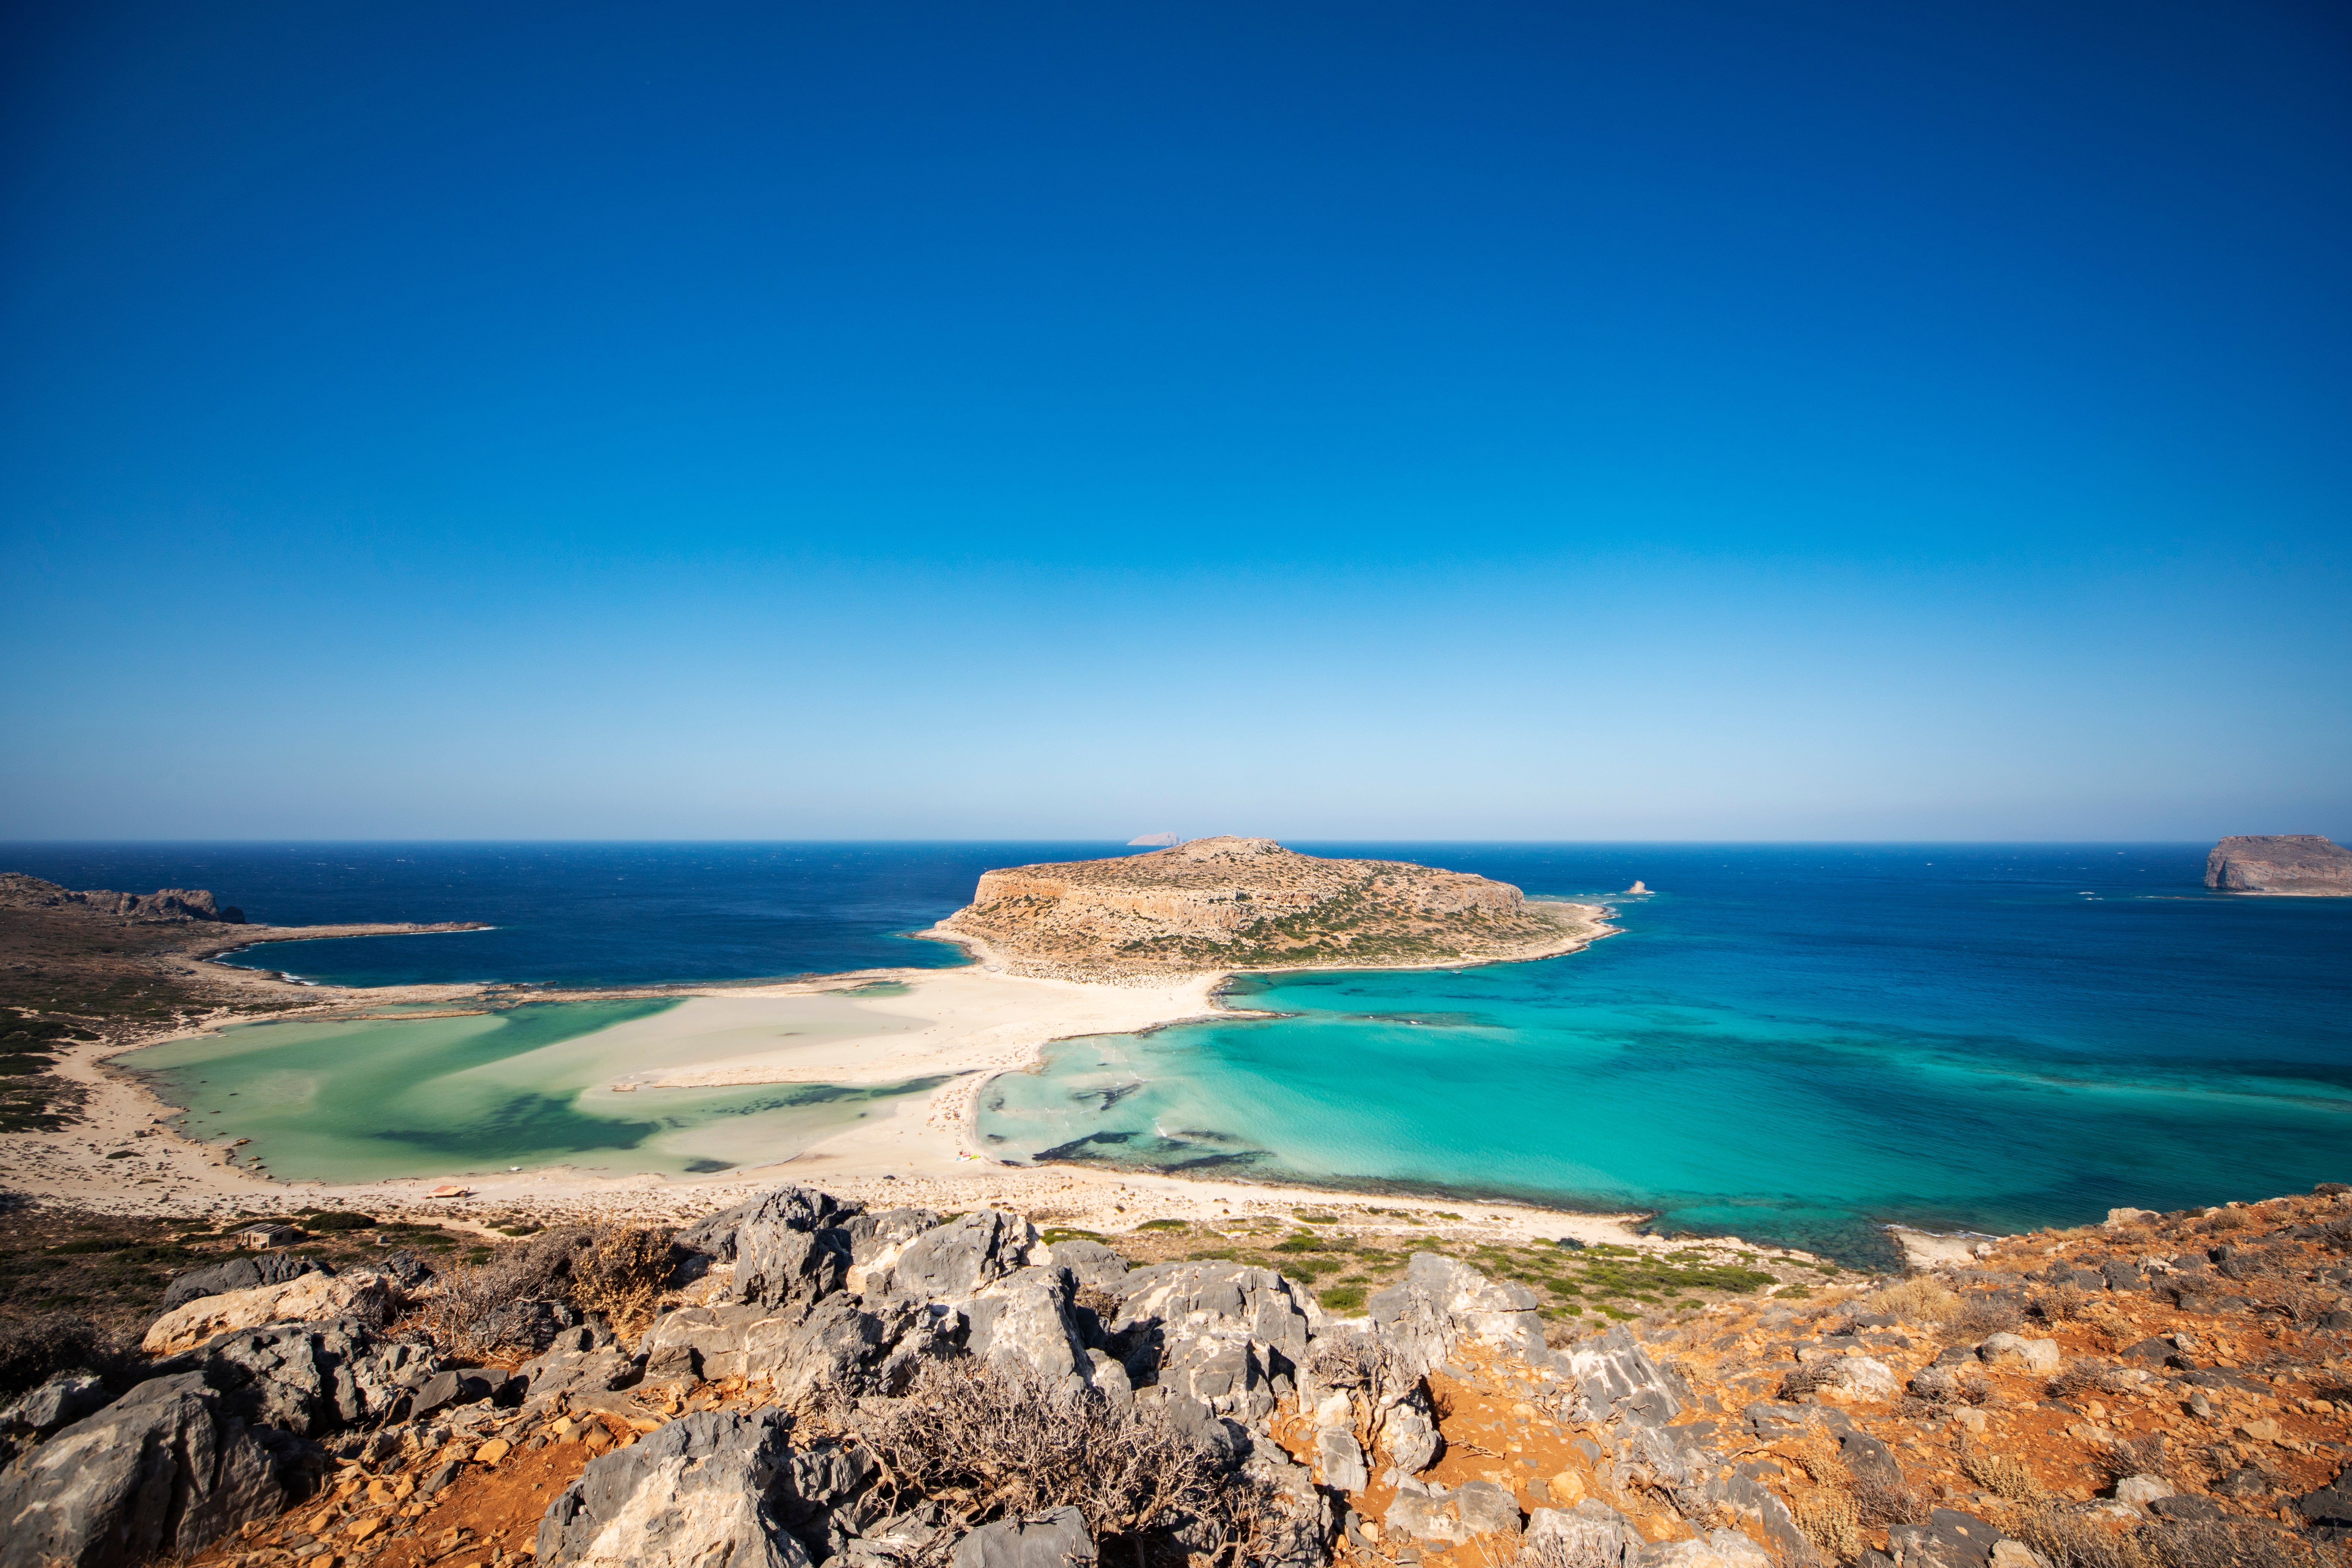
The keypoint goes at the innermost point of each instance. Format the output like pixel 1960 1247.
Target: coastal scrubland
pixel 2160 1391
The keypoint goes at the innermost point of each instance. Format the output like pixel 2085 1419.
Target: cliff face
pixel 1243 903
pixel 19 891
pixel 2297 862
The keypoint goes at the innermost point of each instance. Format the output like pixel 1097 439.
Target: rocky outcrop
pixel 177 904
pixel 165 1468
pixel 1241 903
pixel 2301 864
pixel 237 1274
pixel 362 1292
pixel 1055 1539
pixel 709 1491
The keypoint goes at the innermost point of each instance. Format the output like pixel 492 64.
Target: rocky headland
pixel 804 1379
pixel 2302 865
pixel 1228 903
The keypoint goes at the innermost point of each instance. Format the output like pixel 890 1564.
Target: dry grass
pixel 2004 1475
pixel 1830 1520
pixel 1918 1300
pixel 986 1444
pixel 1978 1316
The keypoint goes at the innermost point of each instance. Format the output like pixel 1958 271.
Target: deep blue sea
pixel 1794 1042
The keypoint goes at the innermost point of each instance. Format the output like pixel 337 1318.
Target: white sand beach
pixel 964 1023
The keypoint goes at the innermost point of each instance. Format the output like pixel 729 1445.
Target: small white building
pixel 268 1235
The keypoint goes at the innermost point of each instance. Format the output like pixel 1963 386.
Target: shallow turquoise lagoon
pixel 529 1085
pixel 1789 1043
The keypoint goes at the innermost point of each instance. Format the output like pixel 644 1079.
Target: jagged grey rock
pixel 837 1342
pixel 1869 1459
pixel 309 1379
pixel 1408 1433
pixel 785 1246
pixel 63 1400
pixel 1948 1540
pixel 1618 1381
pixel 1716 1549
pixel 237 1274
pixel 873 1233
pixel 1024 1320
pixel 1342 1459
pixel 1425 1511
pixel 1486 1509
pixel 707 1491
pixel 1215 1333
pixel 540 1324
pixel 165 1468
pixel 1591 1535
pixel 1055 1540
pixel 447 1390
pixel 1093 1264
pixel 953 1261
pixel 1441 1303
pixel 565 1372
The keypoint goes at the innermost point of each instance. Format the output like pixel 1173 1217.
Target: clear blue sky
pixel 1567 421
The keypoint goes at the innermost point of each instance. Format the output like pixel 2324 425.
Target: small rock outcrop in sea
pixel 2300 864
pixel 1248 903
pixel 22 892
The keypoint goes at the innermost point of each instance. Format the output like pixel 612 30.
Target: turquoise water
pixel 530 1086
pixel 1793 1045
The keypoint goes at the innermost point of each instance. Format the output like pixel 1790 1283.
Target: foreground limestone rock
pixel 237 1274
pixel 702 1492
pixel 1242 903
pixel 2302 864
pixel 357 1292
pixel 165 1468
pixel 1054 1540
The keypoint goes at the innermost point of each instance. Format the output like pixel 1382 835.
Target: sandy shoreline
pixel 966 1023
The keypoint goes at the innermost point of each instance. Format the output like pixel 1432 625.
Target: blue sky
pixel 1691 420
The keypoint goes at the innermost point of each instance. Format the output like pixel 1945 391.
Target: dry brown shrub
pixel 2146 1455
pixel 1918 1300
pixel 2060 1305
pixel 2004 1475
pixel 2070 1541
pixel 988 1444
pixel 1942 1386
pixel 1819 1460
pixel 1881 1503
pixel 1830 1520
pixel 613 1269
pixel 2085 1375
pixel 1979 1315
pixel 620 1274
pixel 463 1315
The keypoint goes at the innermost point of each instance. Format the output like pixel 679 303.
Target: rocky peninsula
pixel 1226 904
pixel 2296 865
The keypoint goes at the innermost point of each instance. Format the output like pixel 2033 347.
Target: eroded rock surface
pixel 2292 863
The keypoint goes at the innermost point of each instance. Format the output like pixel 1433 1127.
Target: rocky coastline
pixel 2296 865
